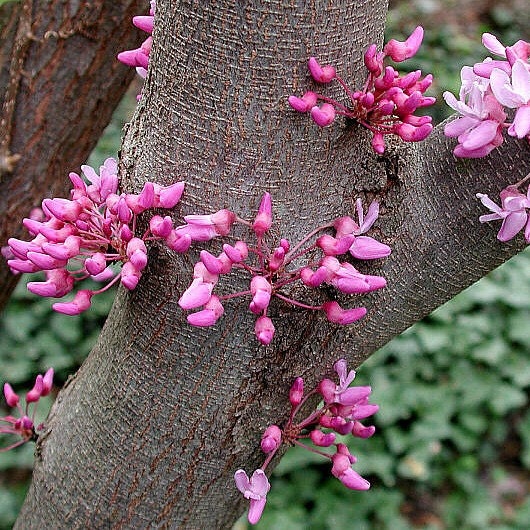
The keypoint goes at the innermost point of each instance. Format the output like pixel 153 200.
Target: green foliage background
pixel 452 449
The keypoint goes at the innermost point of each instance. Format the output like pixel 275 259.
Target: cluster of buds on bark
pixel 139 58
pixel 23 426
pixel 312 261
pixel 93 235
pixel 388 100
pixel 340 414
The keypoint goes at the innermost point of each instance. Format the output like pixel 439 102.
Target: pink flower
pixel 323 115
pixel 321 74
pixel 263 219
pixel 305 103
pixel 271 439
pixel 399 51
pixel 342 469
pixel 264 330
pixel 515 95
pixel 513 213
pixel 337 315
pixel 23 426
pixel 255 489
pixel 80 303
pixel 212 312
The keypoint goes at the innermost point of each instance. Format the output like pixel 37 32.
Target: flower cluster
pixel 91 233
pixel 24 425
pixel 488 88
pixel 139 58
pixel 387 102
pixel 342 409
pixel 274 268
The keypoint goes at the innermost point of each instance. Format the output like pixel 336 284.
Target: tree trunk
pixel 150 431
pixel 62 83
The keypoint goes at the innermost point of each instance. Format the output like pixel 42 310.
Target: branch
pixel 63 83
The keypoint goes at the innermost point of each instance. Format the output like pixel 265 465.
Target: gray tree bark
pixel 60 84
pixel 151 429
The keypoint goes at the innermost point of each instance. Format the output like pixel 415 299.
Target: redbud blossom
pixel 264 330
pixel 271 439
pixel 255 489
pixel 321 74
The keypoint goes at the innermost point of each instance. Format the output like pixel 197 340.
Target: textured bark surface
pixel 150 431
pixel 62 83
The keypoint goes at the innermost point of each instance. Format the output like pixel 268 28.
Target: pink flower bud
pixel 373 60
pixel 130 275
pixel 305 103
pixel 335 246
pixel 36 392
pixel 277 258
pixel 12 399
pixel 365 247
pixel 213 264
pixel 271 439
pixel 168 196
pixel 361 431
pixel 409 133
pixel 264 330
pixel 378 142
pixel 261 291
pixel 213 310
pixel 161 226
pixel 337 315
pixel 47 382
pixel 80 303
pixel 145 23
pixel 237 253
pixel 263 219
pixel 399 51
pixel 96 264
pixel 343 471
pixel 321 74
pixel 321 439
pixel 63 251
pixel 21 248
pixel 296 393
pixel 45 262
pixel 63 209
pixel 323 115
pixel 196 295
pixel 19 265
pixel 58 283
pixel 178 242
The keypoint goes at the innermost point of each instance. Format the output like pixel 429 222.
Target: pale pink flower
pixel 255 489
pixel 515 94
pixel 513 213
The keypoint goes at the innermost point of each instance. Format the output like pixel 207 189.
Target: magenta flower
pixel 255 489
